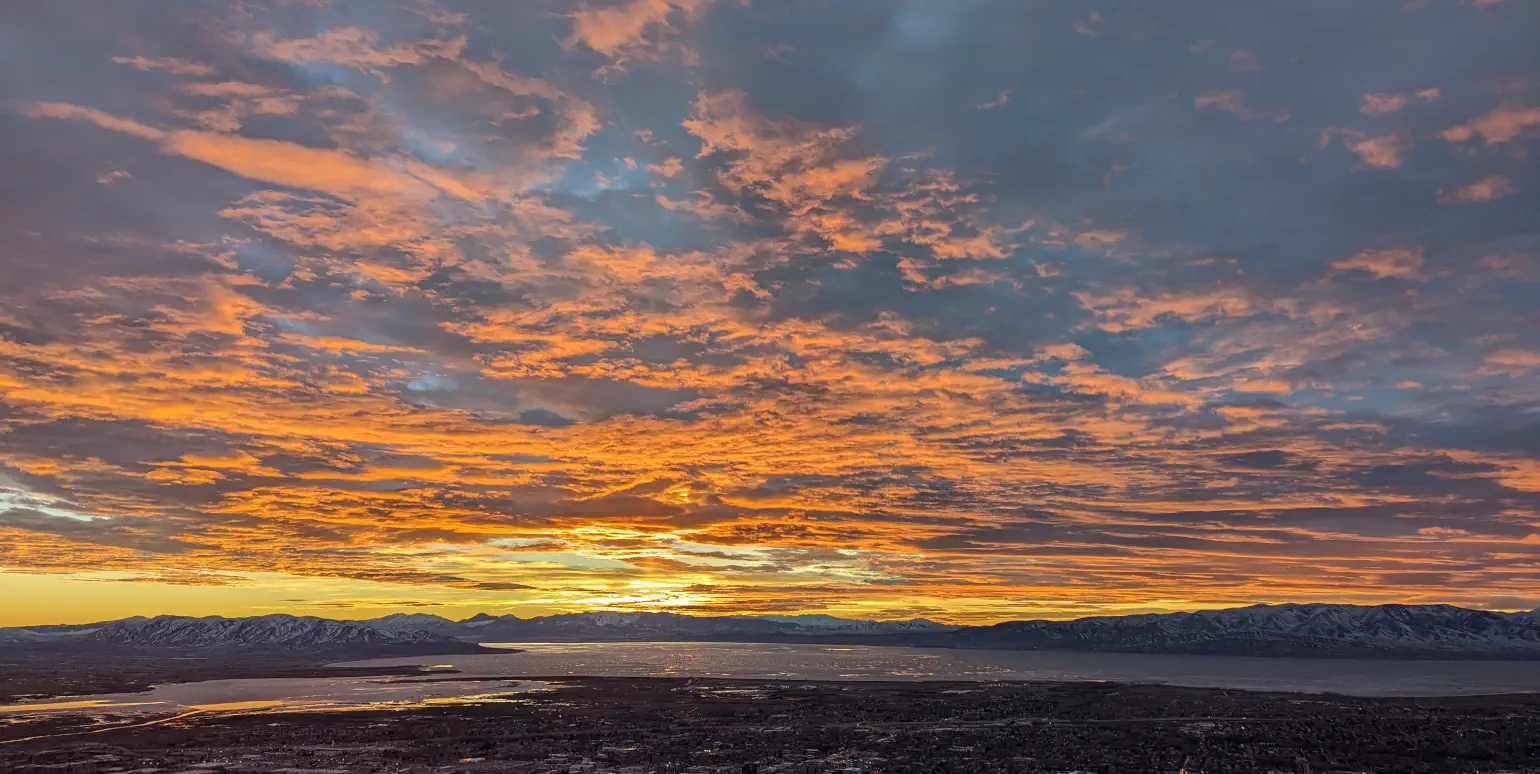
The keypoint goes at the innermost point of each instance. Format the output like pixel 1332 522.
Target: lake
pixel 285 693
pixel 501 673
pixel 870 662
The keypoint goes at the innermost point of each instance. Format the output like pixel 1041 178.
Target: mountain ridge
pixel 1311 630
pixel 275 633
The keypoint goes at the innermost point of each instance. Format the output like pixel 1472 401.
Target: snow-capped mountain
pixel 618 626
pixel 268 632
pixel 829 623
pixel 482 619
pixel 409 622
pixel 1315 630
pixel 674 626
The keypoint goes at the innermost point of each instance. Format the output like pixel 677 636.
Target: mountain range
pixel 1309 630
pixel 268 634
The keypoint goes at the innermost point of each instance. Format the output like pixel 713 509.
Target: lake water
pixel 868 662
pixel 502 673
pixel 287 693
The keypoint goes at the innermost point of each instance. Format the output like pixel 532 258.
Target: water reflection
pixel 287 694
pixel 847 662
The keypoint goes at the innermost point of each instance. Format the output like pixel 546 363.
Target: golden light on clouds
pixel 695 306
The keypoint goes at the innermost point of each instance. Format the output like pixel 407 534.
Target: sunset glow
pixel 965 310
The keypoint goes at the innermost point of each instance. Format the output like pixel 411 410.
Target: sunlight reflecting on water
pixel 286 694
pixel 866 662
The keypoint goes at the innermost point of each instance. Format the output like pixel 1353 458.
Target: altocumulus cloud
pixel 865 307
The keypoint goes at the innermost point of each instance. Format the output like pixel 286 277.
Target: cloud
pixel 1506 123
pixel 623 29
pixel 106 121
pixel 1384 104
pixel 1401 263
pixel 267 161
pixel 794 164
pixel 296 166
pixel 1510 361
pixel 356 47
pixel 1127 309
pixel 669 168
pixel 579 119
pixel 1384 152
pixel 999 100
pixel 1234 103
pixel 1246 62
pixel 1090 25
pixel 1484 190
pixel 312 298
pixel 1515 267
pixel 167 64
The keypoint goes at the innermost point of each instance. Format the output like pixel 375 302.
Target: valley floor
pixel 638 725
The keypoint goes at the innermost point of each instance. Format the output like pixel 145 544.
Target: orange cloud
pixel 1383 152
pixel 1401 263
pixel 91 115
pixel 1385 104
pixel 794 164
pixel 1510 361
pixel 1505 124
pixel 268 161
pixel 288 164
pixel 1484 190
pixel 1126 309
pixel 623 28
pixel 167 64
pixel 669 168
pixel 357 47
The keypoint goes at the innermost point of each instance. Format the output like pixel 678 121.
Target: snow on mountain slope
pixel 637 626
pixel 813 621
pixel 277 632
pixel 1303 630
pixel 829 623
pixel 406 622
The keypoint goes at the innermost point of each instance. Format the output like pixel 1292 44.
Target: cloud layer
pixel 896 308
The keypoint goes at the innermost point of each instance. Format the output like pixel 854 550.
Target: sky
pixel 967 309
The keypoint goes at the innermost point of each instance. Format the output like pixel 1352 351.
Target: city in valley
pixel 719 726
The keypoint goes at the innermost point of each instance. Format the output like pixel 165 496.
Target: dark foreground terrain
pixel 679 725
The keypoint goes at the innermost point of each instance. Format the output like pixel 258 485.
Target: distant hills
pixel 587 627
pixel 1305 631
pixel 1309 631
pixel 261 635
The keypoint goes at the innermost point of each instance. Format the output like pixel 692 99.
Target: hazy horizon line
pixel 774 615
